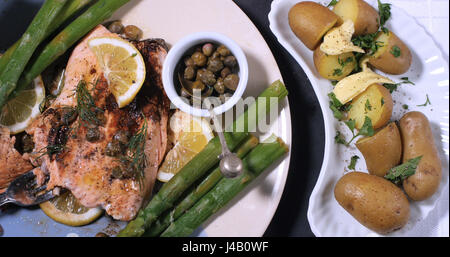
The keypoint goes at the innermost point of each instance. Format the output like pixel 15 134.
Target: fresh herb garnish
pixel 337 107
pixel 135 154
pixel 337 72
pixel 50 150
pixel 394 87
pixel 334 82
pixel 339 139
pixel 397 174
pixel 366 129
pixel 428 102
pixel 353 162
pixel 382 101
pixel 405 106
pixel 385 13
pixel 368 106
pixel 87 110
pixel 395 51
pixel 332 3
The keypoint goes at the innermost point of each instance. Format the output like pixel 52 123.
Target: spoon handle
pixel 223 142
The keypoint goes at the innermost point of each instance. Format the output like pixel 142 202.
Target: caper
pixel 93 134
pixel 68 116
pixel 101 118
pixel 188 61
pixel 117 172
pixel 189 73
pixel 208 78
pixel 219 86
pixel 208 49
pixel 199 59
pixel 216 54
pixel 123 136
pixel 132 32
pixel 230 61
pixel 215 65
pixel 231 82
pixel 225 72
pixel 114 148
pixel 28 144
pixel 129 172
pixel 223 51
pixel 116 27
pixel 198 85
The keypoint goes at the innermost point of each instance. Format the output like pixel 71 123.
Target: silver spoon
pixel 230 164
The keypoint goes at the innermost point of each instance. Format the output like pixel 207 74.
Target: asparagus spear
pixel 32 37
pixel 255 163
pixel 202 162
pixel 95 15
pixel 68 11
pixel 209 182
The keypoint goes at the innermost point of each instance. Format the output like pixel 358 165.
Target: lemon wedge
pixel 67 210
pixel 123 67
pixel 190 135
pixel 19 112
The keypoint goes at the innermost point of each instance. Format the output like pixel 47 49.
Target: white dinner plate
pixel 251 211
pixel 429 72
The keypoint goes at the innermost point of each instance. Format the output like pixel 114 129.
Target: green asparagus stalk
pixel 30 40
pixel 209 182
pixel 255 163
pixel 93 16
pixel 69 10
pixel 200 164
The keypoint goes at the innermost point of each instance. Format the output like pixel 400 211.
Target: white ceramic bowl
pixel 176 54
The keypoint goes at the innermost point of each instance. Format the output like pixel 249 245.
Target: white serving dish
pixel 429 72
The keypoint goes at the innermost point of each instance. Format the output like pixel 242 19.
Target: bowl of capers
pixel 205 65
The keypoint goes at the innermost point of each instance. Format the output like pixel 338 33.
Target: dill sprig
pixel 86 108
pixel 50 150
pixel 136 152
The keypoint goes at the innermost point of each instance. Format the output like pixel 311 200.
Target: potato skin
pixel 418 140
pixel 373 201
pixel 382 151
pixel 363 15
pixel 385 61
pixel 381 111
pixel 310 21
pixel 327 64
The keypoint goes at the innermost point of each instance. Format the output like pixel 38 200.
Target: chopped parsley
pixel 368 106
pixel 385 13
pixel 397 174
pixel 332 3
pixel 428 102
pixel 337 72
pixel 393 87
pixel 366 130
pixel 405 106
pixel 382 101
pixel 353 162
pixel 396 52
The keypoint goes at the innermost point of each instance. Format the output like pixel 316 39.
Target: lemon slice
pixel 190 134
pixel 67 210
pixel 20 111
pixel 123 67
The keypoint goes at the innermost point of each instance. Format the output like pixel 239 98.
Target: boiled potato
pixel 393 56
pixel 373 201
pixel 364 16
pixel 310 21
pixel 382 151
pixel 418 141
pixel 334 67
pixel 376 103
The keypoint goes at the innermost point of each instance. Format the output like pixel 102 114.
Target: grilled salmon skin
pixel 83 166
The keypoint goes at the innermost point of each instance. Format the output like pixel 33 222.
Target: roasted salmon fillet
pixel 85 167
pixel 13 164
